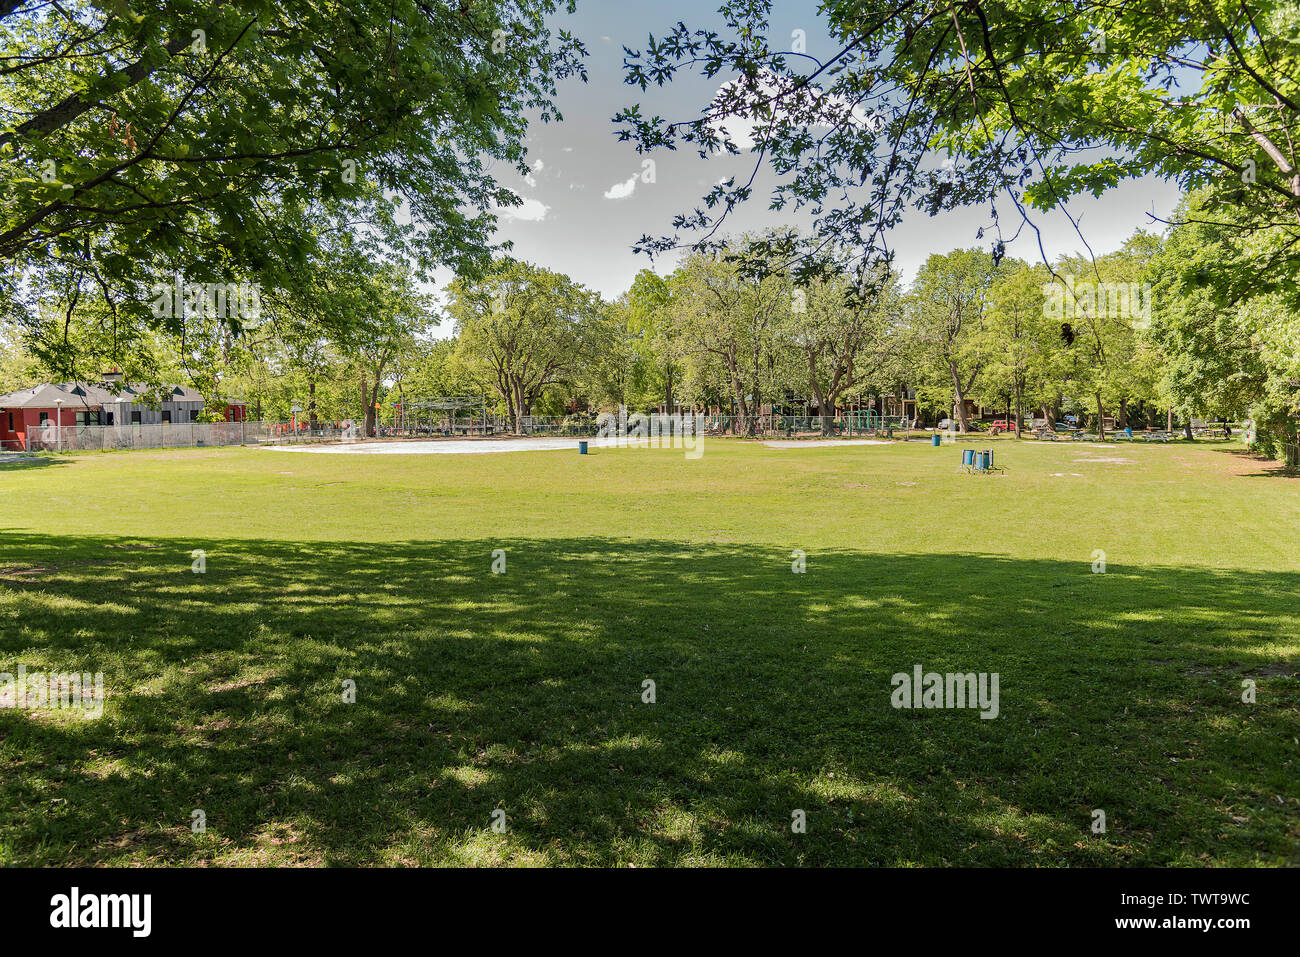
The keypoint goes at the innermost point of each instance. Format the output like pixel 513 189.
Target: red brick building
pixel 87 404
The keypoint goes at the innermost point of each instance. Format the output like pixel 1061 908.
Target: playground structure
pixel 441 415
pixel 453 415
pixel 871 422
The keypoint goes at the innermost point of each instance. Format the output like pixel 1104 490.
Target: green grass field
pixel 523 691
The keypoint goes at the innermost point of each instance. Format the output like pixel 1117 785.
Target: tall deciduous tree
pixel 1228 350
pixel 1104 306
pixel 727 311
pixel 842 338
pixel 1022 343
pixel 649 317
pixel 522 328
pixel 191 137
pixel 946 309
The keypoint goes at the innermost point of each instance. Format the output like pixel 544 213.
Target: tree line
pixel 1131 336
pixel 335 158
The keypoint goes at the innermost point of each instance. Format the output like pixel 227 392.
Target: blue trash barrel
pixel 967 456
pixel 582 448
pixel 982 461
pixel 936 440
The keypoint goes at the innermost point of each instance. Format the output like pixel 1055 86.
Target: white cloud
pixel 532 211
pixel 623 190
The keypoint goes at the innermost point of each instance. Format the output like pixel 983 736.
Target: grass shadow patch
pixel 524 691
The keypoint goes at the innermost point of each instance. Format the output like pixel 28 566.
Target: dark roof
pixel 88 395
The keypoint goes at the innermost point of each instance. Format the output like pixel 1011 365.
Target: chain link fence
pixel 849 425
pixel 165 435
pixel 94 438
pixel 770 425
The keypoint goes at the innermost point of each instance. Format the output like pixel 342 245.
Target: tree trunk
pixel 520 411
pixel 1019 410
pixel 311 404
pixel 373 404
pixel 510 407
pixel 1122 422
pixel 369 410
pixel 817 392
pixel 959 404
pixel 740 421
pixel 1170 420
pixel 1101 421
pixel 668 389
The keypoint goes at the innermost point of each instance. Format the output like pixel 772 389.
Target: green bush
pixel 1276 432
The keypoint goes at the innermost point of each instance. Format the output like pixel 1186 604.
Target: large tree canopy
pixel 1032 101
pixel 946 310
pixel 521 329
pixel 203 138
pixel 1228 350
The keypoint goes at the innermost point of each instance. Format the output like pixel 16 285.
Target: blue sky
pixel 587 204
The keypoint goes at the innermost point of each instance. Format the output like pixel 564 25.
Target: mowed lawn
pixel 523 691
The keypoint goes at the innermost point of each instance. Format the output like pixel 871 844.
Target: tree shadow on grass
pixel 1265 466
pixel 524 691
pixel 9 462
